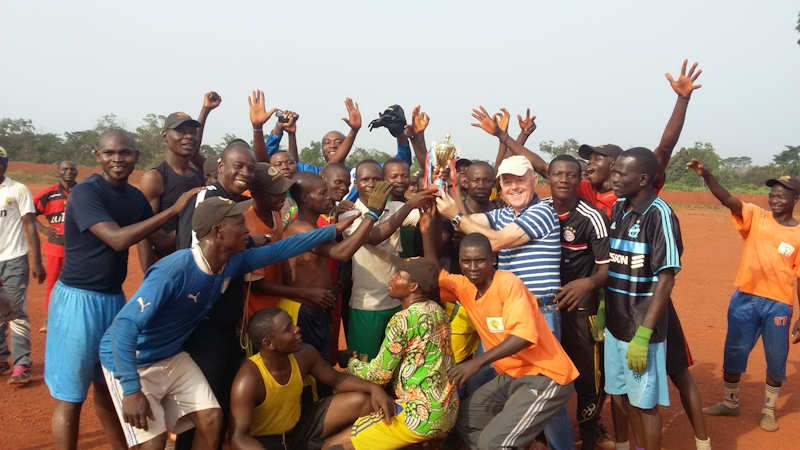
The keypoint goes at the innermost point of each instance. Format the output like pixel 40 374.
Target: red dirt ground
pixel 712 250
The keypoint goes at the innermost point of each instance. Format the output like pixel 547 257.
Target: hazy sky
pixel 589 70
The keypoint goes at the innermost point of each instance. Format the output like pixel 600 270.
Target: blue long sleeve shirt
pixel 274 142
pixel 174 297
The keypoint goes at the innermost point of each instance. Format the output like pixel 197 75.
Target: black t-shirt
pixel 644 242
pixel 228 310
pixel 174 186
pixel 89 263
pixel 584 245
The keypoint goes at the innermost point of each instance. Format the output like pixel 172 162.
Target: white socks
pixel 731 395
pixel 770 399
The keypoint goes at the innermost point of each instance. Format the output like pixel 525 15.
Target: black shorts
pixel 306 433
pixel 679 358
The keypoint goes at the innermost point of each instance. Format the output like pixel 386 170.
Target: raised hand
pixel 258 112
pixel 211 100
pixel 684 85
pixel 527 124
pixel 419 122
pixel 487 123
pixel 291 125
pixel 698 167
pixel 345 223
pixel 504 118
pixel 354 120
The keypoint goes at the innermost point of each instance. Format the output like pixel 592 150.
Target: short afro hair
pixel 477 240
pixel 566 158
pixel 644 160
pixel 262 325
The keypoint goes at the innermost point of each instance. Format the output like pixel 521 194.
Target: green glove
pixel 599 325
pixel 378 196
pixel 637 349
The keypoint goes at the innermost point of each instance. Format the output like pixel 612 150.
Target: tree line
pixel 23 143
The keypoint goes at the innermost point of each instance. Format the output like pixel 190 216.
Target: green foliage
pixel 676 169
pixel 798 27
pixel 569 147
pixel 788 161
pixel 312 154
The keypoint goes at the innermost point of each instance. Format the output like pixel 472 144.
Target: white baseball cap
pixel 515 165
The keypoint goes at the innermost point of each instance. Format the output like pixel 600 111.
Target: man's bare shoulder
pixel 298 226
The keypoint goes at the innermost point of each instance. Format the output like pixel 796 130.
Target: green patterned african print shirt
pixel 416 356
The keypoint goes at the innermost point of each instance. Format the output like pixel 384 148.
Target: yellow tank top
pixel 280 410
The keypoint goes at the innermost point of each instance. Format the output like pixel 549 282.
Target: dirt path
pixel 710 260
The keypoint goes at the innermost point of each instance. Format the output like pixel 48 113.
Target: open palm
pixel 684 85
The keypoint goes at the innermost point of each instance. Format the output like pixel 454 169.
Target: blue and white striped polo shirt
pixel 538 262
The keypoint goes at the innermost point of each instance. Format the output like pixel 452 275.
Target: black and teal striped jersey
pixel 644 241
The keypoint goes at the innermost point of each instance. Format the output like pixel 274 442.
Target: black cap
pixel 585 151
pixel 269 179
pixel 463 162
pixel 422 271
pixel 177 119
pixel 212 210
pixel 211 166
pixel 786 181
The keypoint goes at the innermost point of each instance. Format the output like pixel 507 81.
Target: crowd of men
pixel 470 316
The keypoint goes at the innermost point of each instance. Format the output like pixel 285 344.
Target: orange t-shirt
pixel 270 273
pixel 507 309
pixel 771 257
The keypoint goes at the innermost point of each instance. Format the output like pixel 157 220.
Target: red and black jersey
pixel 52 202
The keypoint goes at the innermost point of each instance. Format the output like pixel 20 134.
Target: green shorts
pixel 367 331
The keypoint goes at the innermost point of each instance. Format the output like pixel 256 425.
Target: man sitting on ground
pixel 265 402
pixel 416 354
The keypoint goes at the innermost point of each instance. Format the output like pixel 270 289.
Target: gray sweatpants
pixel 508 413
pixel 14 274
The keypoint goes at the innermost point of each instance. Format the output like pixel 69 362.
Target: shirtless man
pixel 310 268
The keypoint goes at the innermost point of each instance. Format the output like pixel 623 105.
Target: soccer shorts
pixel 307 431
pixel 679 358
pixel 174 387
pixel 373 433
pixel 645 389
pixel 464 337
pixel 749 317
pixel 367 331
pixel 77 321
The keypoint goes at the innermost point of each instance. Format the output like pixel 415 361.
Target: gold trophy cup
pixel 443 153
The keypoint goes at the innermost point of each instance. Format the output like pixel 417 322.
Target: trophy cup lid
pixel 446 145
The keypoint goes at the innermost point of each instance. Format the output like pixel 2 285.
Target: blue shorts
pixel 645 389
pixel 76 322
pixel 749 317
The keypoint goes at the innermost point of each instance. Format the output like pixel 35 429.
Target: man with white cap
pixel 526 235
pixel 155 384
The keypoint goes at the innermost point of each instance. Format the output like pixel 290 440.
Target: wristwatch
pixel 456 220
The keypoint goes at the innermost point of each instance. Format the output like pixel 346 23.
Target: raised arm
pixel 258 117
pixel 290 128
pixel 416 133
pixel 210 101
pixel 722 194
pixel 354 122
pixel 683 86
pixel 431 233
pixel 491 125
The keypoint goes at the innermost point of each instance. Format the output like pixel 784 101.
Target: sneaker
pixel 5 367
pixel 603 441
pixel 721 410
pixel 768 423
pixel 21 375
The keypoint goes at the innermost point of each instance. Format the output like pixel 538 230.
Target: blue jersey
pixel 538 262
pixel 174 297
pixel 90 263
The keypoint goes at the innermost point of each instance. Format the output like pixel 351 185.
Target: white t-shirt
pixel 371 266
pixel 15 202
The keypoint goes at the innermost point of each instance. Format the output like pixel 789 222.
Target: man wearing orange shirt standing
pixel 762 304
pixel 535 374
